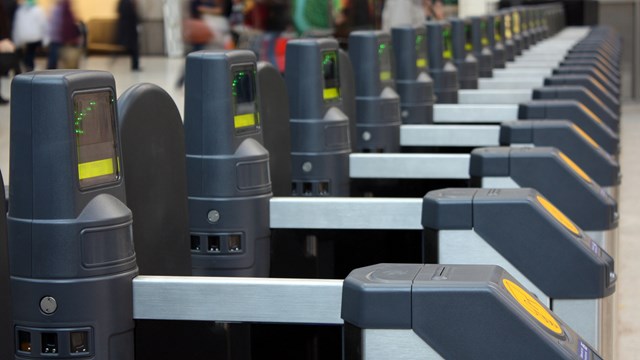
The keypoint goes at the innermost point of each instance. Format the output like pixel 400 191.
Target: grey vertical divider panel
pixel 348 94
pixel 276 132
pixel 6 346
pixel 153 158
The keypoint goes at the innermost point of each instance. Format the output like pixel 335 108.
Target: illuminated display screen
pixel 331 75
pixel 421 52
pixel 385 61
pixel 497 23
pixel 483 33
pixel 516 22
pixel 447 51
pixel 94 129
pixel 507 27
pixel 468 38
pixel 245 107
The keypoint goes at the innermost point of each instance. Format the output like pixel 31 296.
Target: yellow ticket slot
pixel 94 169
pixel 244 120
pixel 331 93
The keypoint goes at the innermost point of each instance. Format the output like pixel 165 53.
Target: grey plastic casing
pixel 229 184
pixel 582 95
pixel 377 103
pixel 496 40
pixel 561 263
pixel 563 135
pixel 70 244
pixel 442 71
pixel 413 83
pixel 465 61
pixel 509 44
pixel 320 140
pixel 543 169
pixel 460 311
pixel 482 52
pixel 576 113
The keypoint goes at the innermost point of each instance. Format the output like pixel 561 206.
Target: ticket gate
pixel 463 57
pixel 6 345
pixel 480 46
pixel 383 308
pixel 71 252
pixel 469 227
pixel 164 291
pixel 390 334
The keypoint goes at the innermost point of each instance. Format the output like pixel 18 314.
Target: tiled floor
pixel 164 72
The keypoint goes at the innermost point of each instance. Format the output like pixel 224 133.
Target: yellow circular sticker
pixel 532 306
pixel 558 215
pixel 575 167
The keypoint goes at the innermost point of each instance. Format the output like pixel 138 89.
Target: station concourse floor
pixel 165 72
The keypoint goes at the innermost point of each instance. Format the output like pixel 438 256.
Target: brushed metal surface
pixel 409 166
pixel 397 344
pixel 522 83
pixel 467 247
pixel 346 213
pixel 592 319
pixel 449 135
pixel 529 72
pixel 474 113
pixel 496 96
pixel 305 301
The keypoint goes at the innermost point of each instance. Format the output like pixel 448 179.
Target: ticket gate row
pixel 239 137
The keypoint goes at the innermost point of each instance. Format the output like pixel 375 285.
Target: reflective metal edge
pixel 469 113
pixel 510 83
pixel 495 96
pixel 346 213
pixel 304 301
pixel 522 72
pixel 409 166
pixel 450 135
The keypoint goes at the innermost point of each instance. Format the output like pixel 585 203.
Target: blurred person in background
pixel 128 31
pixel 65 34
pixel 215 13
pixel 30 30
pixel 8 57
pixel 402 12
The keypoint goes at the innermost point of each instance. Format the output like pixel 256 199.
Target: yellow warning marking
pixel 575 167
pixel 558 215
pixel 585 136
pixel 421 63
pixel 590 113
pixel 533 307
pixel 244 120
pixel 385 75
pixel 95 168
pixel 330 93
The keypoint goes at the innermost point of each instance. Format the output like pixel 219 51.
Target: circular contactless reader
pixel 229 184
pixel 70 232
pixel 413 83
pixel 320 144
pixel 533 307
pixel 377 103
